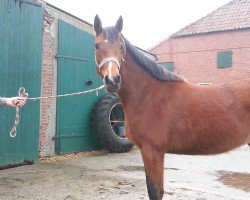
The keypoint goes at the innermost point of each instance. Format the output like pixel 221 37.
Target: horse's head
pixel 110 50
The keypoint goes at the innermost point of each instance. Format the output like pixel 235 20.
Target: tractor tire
pixel 108 123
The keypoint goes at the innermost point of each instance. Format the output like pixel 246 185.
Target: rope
pixel 21 93
pixel 65 95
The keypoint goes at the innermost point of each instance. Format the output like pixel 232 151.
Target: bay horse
pixel 164 113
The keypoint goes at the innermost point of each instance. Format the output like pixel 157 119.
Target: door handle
pixel 89 82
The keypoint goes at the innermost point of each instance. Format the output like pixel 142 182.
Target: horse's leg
pixel 153 163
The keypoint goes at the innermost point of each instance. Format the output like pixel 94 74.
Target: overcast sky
pixel 145 22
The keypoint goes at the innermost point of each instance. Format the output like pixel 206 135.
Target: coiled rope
pixel 21 93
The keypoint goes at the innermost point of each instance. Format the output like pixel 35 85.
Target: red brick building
pixel 214 49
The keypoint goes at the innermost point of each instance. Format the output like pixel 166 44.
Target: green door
pixel 20 65
pixel 76 72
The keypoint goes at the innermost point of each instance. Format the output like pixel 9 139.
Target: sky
pixel 145 22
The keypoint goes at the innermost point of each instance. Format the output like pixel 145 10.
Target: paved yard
pixel 101 175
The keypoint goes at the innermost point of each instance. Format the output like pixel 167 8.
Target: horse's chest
pixel 130 135
pixel 134 134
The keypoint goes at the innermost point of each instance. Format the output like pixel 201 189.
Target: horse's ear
pixel 97 25
pixel 119 24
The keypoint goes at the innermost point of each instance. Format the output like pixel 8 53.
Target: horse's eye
pixel 96 46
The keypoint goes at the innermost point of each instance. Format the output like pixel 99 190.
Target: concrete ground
pixel 105 176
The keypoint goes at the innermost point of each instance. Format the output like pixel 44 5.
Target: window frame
pixel 224 59
pixel 167 66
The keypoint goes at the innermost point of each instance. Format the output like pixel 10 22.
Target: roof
pixel 234 15
pixel 148 54
pixel 85 22
pixel 144 52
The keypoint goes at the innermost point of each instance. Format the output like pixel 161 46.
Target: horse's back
pixel 241 89
pixel 212 119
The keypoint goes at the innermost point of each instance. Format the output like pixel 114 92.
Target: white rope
pixel 65 95
pixel 21 93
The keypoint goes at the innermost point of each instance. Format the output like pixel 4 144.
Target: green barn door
pixel 76 71
pixel 20 65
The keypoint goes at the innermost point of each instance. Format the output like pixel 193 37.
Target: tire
pixel 108 123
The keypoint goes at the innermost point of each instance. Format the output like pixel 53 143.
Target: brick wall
pixel 195 57
pixel 47 86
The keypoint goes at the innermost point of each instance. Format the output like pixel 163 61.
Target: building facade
pixel 215 49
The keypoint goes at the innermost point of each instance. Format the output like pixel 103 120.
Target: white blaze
pixel 110 71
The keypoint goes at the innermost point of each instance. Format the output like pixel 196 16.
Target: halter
pixel 105 60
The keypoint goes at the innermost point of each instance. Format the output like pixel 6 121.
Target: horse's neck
pixel 135 81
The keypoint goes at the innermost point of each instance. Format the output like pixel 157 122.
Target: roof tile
pixel 232 16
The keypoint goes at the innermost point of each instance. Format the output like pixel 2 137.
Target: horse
pixel 164 113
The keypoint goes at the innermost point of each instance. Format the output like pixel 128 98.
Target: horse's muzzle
pixel 112 85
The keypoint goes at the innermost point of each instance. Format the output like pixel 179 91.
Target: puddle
pixel 131 168
pixel 236 180
pixel 171 168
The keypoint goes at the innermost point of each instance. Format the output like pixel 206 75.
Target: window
pixel 168 65
pixel 224 59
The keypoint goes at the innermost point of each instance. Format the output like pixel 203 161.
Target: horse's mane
pixel 147 64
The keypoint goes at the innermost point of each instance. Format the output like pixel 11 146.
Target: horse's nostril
pixel 107 80
pixel 117 79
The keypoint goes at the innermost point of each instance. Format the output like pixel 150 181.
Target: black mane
pixel 149 65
